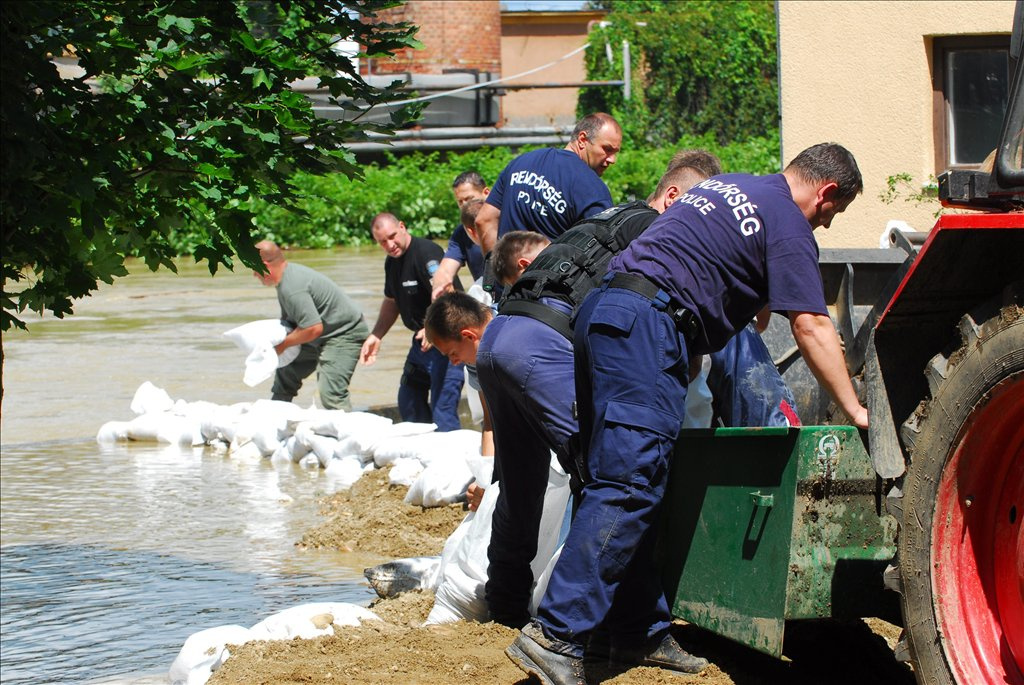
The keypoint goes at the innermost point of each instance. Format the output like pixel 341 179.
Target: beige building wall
pixel 530 40
pixel 860 73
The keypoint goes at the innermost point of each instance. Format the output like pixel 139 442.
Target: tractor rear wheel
pixel 961 547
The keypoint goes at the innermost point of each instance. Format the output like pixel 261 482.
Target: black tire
pixel 960 495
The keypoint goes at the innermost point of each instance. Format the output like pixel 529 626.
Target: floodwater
pixel 111 556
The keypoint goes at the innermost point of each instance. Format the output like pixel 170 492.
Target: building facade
pixel 911 87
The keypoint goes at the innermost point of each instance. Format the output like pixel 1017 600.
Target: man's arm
pixel 441 283
pixel 819 344
pixel 487 227
pixel 385 319
pixel 300 336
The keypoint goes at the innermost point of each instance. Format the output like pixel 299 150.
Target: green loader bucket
pixel 762 525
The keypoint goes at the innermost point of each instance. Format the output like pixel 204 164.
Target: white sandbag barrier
pixel 344 444
pixel 205 651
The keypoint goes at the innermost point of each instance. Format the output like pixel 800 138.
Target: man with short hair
pixel 525 365
pixel 430 387
pixel 327 324
pixel 514 252
pixel 549 190
pixel 728 248
pixel 462 248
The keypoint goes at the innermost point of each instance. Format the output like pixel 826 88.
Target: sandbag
pixel 112 431
pixel 405 471
pixel 441 483
pixel 427 447
pixel 149 399
pixel 402 575
pixel 307 621
pixel 463 570
pixel 343 473
pixel 257 339
pixel 204 652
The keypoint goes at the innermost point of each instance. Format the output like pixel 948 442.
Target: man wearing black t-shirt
pixel 430 387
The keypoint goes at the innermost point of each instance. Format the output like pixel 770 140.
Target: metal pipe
pixel 626 71
pixel 454 144
pixel 472 132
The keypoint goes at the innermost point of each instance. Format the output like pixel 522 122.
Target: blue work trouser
pixel 334 360
pixel 430 388
pixel 526 373
pixel 631 377
pixel 746 387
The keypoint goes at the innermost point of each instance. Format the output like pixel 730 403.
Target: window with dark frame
pixel 971 84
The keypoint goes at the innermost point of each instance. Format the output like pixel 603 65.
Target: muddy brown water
pixel 113 555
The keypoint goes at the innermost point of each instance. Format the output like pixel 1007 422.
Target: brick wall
pixel 456 34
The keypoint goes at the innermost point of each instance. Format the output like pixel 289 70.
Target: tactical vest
pixel 574 264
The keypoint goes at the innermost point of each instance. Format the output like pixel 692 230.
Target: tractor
pixel 917 520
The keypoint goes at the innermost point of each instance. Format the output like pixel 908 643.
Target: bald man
pixel 328 326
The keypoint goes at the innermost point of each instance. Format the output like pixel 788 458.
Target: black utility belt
pixel 685 320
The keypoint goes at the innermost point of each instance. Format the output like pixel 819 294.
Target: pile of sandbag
pixel 346 445
pixel 205 651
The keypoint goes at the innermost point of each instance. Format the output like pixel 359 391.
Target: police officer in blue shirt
pixel 462 248
pixel 727 248
pixel 549 190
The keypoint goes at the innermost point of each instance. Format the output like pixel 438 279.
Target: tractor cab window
pixel 971 86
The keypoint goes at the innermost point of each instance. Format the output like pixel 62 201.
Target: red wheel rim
pixel 978 548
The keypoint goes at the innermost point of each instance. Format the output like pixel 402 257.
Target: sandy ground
pixel 372 520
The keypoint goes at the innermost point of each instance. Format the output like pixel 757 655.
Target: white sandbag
pixel 402 575
pixel 204 652
pixel 349 448
pixel 405 471
pixel 150 399
pixel 459 444
pixel 167 428
pixel 246 451
pixel 341 424
pixel 427 447
pixel 459 593
pixel 292 449
pixel 321 421
pixel 218 446
pixel 342 474
pixel 112 431
pixel 323 447
pixel 463 572
pixel 553 517
pixel 307 621
pixel 369 439
pixel 698 399
pixel 310 461
pixel 221 423
pixel 482 469
pixel 541 584
pixel 441 483
pixel 258 339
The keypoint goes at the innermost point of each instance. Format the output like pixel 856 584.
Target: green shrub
pixel 416 188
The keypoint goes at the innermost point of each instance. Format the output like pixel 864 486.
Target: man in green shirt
pixel 327 324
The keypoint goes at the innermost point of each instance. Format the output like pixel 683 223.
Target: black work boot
pixel 661 653
pixel 551 661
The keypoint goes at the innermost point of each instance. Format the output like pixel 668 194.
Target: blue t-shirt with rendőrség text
pixel 547 191
pixel 727 247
